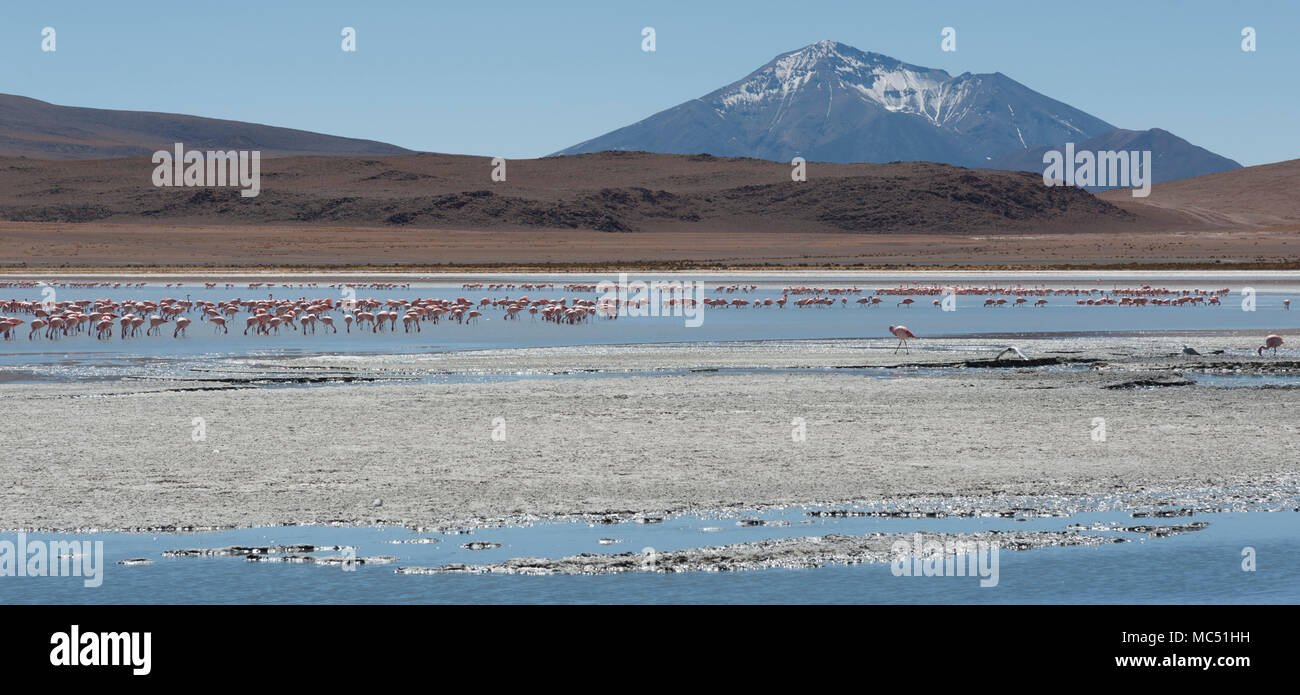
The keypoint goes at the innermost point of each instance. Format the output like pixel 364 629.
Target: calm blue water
pixel 1193 567
pixel 85 357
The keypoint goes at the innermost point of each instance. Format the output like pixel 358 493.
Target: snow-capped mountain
pixel 834 103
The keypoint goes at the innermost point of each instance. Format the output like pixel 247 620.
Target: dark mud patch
pixel 480 545
pixel 762 522
pixel 332 561
pixel 186 389
pixel 255 381
pixel 1155 531
pixel 1149 383
pixel 1264 364
pixel 1163 513
pixel 982 364
pixel 248 550
pixel 1032 362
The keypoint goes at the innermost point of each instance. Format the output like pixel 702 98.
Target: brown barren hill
pixel 606 192
pixel 599 210
pixel 1260 196
pixel 38 129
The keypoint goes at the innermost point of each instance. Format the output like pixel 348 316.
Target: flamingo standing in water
pixel 903 336
pixel 155 324
pixel 1272 342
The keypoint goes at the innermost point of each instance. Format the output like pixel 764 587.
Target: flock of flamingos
pixel 127 318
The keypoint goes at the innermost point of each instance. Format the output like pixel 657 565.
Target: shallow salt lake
pixel 1202 566
pixel 1193 567
pixel 83 357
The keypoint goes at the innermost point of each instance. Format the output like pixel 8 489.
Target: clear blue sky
pixel 523 78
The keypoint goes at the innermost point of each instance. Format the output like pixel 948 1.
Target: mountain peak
pixel 829 101
pixel 827 50
pixel 843 58
pixel 820 69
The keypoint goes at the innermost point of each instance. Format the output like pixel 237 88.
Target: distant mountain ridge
pixel 40 130
pixel 831 102
pixel 1173 158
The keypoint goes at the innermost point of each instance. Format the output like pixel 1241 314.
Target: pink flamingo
pixel 181 324
pixel 903 336
pixel 1272 342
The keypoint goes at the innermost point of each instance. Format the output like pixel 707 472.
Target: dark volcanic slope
pixel 613 192
pixel 31 128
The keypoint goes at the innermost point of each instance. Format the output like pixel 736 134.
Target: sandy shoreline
pixel 122 454
pixel 738 244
